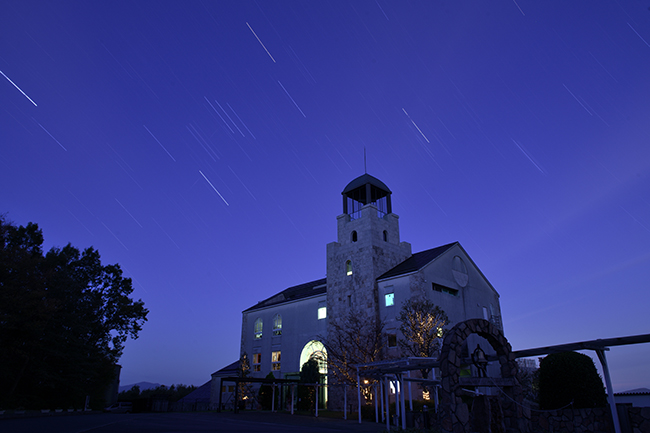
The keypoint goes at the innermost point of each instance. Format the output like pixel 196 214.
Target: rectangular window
pixel 275 360
pixel 257 360
pixel 322 313
pixel 443 289
pixel 392 340
pixel 231 388
pixel 390 299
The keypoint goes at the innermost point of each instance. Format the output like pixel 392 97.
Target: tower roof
pixel 363 180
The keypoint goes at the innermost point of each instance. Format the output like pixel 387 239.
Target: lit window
pixel 275 360
pixel 426 395
pixel 390 299
pixel 348 267
pixel 257 360
pixel 258 329
pixel 231 388
pixel 392 340
pixel 277 325
pixel 322 313
pixel 440 332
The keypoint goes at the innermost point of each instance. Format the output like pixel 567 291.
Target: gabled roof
pixel 417 261
pixel 293 293
pixel 202 393
pixel 228 369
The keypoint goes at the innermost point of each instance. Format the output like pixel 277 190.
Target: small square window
pixel 257 358
pixel 390 299
pixel 257 367
pixel 392 340
pixel 322 313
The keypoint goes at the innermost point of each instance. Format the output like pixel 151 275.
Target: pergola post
pixel 410 392
pixel 236 397
pixel 387 403
pixel 220 393
pixel 610 391
pixel 376 403
pixel 345 401
pixel 293 387
pixel 316 387
pixel 401 393
pixel 358 394
pixel 273 398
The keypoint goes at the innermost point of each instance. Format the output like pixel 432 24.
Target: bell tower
pixel 368 245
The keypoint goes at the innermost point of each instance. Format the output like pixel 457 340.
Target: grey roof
pixel 417 261
pixel 364 179
pixel 228 369
pixel 293 293
pixel 202 393
pixel 635 391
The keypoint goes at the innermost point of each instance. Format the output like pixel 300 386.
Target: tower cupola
pixel 363 190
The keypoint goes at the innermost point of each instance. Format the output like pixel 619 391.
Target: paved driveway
pixel 244 422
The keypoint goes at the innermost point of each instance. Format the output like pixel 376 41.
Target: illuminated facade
pixel 371 272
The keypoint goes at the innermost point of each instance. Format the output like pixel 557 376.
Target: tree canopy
pixel 64 319
pixel 570 377
pixel 422 324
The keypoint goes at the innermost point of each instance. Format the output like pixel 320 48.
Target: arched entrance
pixel 454 412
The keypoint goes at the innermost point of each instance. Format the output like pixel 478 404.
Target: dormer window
pixel 348 267
pixel 354 236
pixel 258 329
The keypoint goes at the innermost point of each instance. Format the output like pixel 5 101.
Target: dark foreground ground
pixel 246 422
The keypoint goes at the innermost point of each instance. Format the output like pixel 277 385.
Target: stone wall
pixel 596 420
pixel 639 418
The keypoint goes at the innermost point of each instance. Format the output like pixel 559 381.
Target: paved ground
pixel 244 422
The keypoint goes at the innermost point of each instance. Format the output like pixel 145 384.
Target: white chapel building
pixel 371 270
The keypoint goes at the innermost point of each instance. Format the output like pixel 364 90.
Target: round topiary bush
pixel 570 377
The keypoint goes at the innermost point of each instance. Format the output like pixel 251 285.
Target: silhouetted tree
pixel 64 318
pixel 570 377
pixel 309 374
pixel 266 394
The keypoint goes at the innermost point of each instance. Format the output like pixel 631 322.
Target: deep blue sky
pixel 204 145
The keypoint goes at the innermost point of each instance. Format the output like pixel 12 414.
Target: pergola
pixel 383 369
pixel 599 346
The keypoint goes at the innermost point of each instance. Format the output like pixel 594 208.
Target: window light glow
pixel 390 299
pixel 322 313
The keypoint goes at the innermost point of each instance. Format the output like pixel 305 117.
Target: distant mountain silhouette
pixel 142 385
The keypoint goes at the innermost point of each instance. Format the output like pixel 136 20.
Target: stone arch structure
pixel 454 412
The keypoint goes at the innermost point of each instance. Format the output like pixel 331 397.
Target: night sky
pixel 204 145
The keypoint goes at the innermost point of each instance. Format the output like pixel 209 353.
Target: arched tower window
pixel 354 236
pixel 348 267
pixel 258 328
pixel 277 325
pixel 385 236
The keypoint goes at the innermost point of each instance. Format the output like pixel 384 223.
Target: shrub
pixel 570 377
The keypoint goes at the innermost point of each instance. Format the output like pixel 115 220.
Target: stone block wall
pixel 595 420
pixel 639 418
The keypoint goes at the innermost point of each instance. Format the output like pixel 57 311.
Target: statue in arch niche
pixel 455 416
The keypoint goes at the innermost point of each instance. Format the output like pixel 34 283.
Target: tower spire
pixel 365 168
